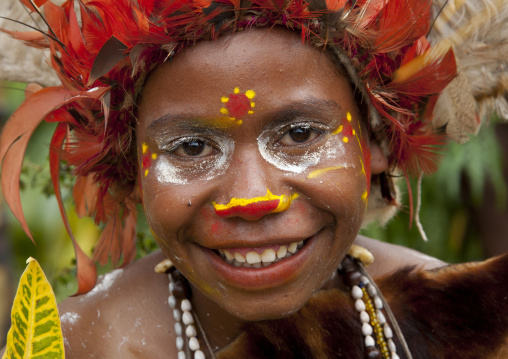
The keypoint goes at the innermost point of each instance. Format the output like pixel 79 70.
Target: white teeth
pixel 239 258
pixel 253 258
pixel 293 247
pixel 281 253
pixel 268 256
pixel 228 255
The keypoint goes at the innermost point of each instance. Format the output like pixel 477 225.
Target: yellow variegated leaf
pixel 35 331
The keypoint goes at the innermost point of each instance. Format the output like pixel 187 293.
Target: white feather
pixel 478 30
pixel 17 61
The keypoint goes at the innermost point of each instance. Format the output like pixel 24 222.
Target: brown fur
pixel 459 311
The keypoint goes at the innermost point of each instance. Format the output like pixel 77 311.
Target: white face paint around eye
pixel 332 149
pixel 170 170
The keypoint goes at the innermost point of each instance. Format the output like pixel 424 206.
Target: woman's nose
pixel 247 191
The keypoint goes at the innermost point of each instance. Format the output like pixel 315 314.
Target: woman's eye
pixel 299 135
pixel 193 148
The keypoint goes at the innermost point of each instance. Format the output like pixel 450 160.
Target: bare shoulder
pixel 126 315
pixel 391 257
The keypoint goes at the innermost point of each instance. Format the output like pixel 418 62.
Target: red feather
pixel 15 136
pixel 425 75
pixel 29 5
pixel 31 38
pixel 400 23
pixel 85 193
pixel 86 272
pixel 17 132
pixel 109 241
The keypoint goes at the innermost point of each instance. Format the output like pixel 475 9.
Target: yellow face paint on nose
pixel 256 207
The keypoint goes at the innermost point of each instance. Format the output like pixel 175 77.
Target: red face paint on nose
pixel 254 208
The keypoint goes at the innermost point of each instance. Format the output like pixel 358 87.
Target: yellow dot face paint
pixel 256 207
pixel 238 105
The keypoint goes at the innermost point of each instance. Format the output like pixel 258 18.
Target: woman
pixel 256 157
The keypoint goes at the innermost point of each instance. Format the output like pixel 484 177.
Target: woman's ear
pixel 378 161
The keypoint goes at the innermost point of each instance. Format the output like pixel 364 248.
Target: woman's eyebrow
pixel 178 122
pixel 309 107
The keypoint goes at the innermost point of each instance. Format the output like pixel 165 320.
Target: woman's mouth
pixel 268 266
pixel 259 257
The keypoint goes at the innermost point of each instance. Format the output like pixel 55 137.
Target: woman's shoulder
pixel 126 315
pixel 389 258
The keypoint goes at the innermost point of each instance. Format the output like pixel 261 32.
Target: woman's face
pixel 249 146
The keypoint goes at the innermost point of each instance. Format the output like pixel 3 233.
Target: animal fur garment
pixel 458 311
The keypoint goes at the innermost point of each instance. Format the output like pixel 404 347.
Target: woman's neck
pixel 221 327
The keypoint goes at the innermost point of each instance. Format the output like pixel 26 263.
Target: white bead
pixel 378 303
pixel 176 315
pixel 366 329
pixel 187 318
pixel 369 341
pixel 359 305
pixel 371 290
pixel 179 343
pixel 391 346
pixel 178 329
pixel 364 317
pixel 193 343
pixel 364 279
pixel 380 317
pixel 172 301
pixel 388 331
pixel 356 292
pixel 171 287
pixel 199 355
pixel 395 356
pixel 190 331
pixel 186 305
pixel 181 355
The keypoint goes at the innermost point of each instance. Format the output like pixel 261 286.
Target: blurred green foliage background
pixel 447 199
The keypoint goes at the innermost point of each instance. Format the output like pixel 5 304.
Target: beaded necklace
pixel 368 302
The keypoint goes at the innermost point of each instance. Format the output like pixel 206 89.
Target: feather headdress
pixel 102 50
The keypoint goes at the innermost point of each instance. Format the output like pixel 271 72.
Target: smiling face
pixel 254 169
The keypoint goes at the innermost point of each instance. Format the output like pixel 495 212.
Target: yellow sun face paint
pixel 256 207
pixel 238 105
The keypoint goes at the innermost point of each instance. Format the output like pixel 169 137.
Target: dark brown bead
pixel 372 353
pixel 182 290
pixel 348 264
pixel 351 278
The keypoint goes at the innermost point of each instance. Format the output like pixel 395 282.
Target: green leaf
pixel 35 332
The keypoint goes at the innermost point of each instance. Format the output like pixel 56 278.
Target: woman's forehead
pixel 271 64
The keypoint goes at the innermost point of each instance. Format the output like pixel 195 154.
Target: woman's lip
pixel 265 277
